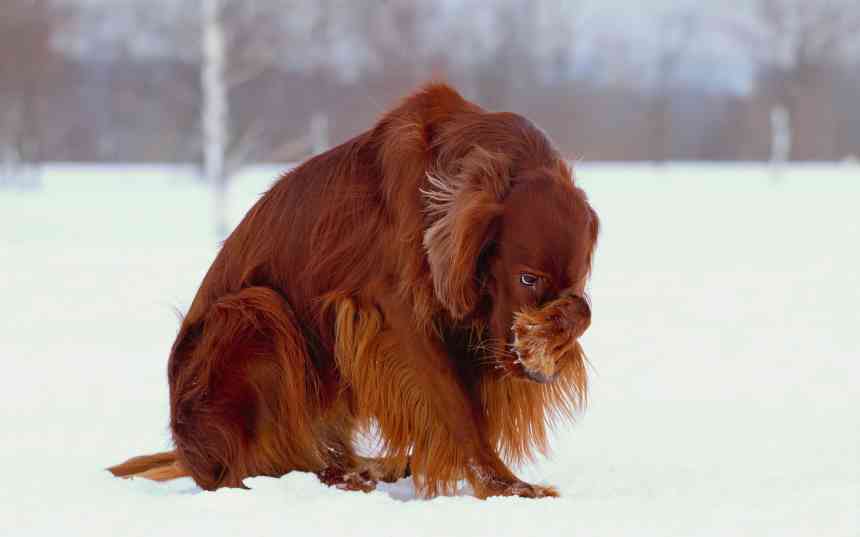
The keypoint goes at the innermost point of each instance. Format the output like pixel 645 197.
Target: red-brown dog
pixel 425 279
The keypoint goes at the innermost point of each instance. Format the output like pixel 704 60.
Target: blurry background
pixel 124 80
pixel 221 84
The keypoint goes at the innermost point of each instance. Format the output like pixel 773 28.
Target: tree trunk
pixel 219 207
pixel 780 139
pixel 215 111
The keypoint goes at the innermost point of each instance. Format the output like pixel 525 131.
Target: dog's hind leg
pixel 243 392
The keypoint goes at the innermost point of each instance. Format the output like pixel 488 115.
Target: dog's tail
pixel 157 467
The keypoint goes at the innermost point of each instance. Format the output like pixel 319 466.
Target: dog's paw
pixel 353 481
pixel 527 490
pixel 388 470
pixel 517 488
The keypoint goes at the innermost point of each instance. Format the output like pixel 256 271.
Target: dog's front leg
pixel 426 408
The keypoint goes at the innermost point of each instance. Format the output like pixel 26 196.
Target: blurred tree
pixel 29 75
pixel 797 48
pixel 241 42
pixel 608 81
pixel 673 39
pixel 215 112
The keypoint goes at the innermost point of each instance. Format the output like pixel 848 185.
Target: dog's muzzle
pixel 545 337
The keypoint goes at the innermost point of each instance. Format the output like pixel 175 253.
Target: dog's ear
pixel 462 209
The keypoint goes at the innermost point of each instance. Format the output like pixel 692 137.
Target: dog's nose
pixel 574 314
pixel 581 308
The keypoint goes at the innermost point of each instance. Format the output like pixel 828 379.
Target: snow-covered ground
pixel 725 349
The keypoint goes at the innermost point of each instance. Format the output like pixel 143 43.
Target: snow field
pixel 724 352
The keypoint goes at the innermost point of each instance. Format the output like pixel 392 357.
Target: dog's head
pixel 540 263
pixel 510 243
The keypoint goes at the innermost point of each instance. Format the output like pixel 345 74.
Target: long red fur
pixel 356 294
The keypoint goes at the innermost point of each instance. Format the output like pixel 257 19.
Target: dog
pixel 424 280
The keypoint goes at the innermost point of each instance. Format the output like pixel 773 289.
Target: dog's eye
pixel 529 280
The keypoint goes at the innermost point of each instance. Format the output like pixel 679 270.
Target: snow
pixel 724 352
